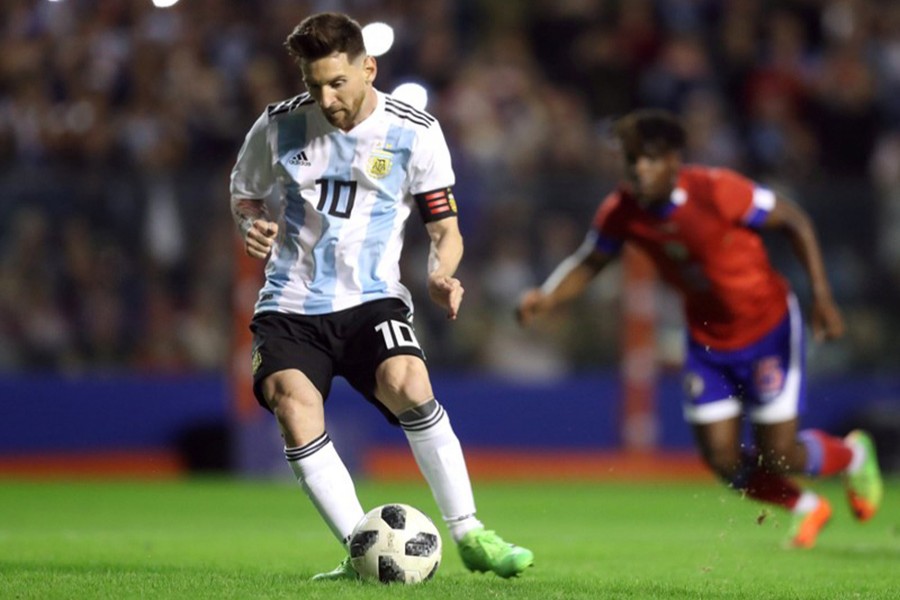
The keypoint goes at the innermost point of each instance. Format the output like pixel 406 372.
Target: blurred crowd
pixel 120 121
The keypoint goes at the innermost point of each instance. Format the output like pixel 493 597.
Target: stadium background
pixel 123 295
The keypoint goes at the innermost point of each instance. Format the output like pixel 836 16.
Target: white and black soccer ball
pixel 395 543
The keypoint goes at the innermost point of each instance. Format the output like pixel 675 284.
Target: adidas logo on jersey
pixel 299 159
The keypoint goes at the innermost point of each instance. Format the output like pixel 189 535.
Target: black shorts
pixel 350 343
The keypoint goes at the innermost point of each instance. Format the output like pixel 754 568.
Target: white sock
pixel 858 457
pixel 440 458
pixel 808 501
pixel 323 476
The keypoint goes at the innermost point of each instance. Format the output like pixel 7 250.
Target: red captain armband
pixel 436 205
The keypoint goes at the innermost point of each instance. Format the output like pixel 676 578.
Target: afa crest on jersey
pixel 380 163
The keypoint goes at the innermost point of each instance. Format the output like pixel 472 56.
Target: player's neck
pixel 367 108
pixel 652 204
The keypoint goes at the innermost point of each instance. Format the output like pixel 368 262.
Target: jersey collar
pixel 677 198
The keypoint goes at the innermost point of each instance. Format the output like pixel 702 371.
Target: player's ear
pixel 370 69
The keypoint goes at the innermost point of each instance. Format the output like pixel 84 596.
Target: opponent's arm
pixel 443 259
pixel 792 220
pixel 253 222
pixel 568 281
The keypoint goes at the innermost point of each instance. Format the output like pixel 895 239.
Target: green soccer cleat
pixel 343 571
pixel 482 550
pixel 864 486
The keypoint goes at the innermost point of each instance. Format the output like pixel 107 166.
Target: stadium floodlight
pixel 413 94
pixel 378 38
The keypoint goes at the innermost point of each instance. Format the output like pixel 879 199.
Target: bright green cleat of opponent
pixel 864 486
pixel 343 571
pixel 483 550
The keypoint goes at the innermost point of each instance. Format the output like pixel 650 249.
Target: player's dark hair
pixel 320 35
pixel 650 132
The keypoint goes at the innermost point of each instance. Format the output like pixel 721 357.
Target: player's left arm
pixel 789 218
pixel 443 259
pixel 431 181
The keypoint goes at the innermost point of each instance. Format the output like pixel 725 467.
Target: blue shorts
pixel 765 380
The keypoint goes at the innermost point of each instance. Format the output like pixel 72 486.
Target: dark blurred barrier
pixel 112 424
pixel 186 421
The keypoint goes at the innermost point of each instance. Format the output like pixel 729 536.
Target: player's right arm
pixel 252 180
pixel 568 281
pixel 253 222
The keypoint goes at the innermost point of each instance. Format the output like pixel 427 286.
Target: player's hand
pixel 446 292
pixel 260 238
pixel 827 322
pixel 530 306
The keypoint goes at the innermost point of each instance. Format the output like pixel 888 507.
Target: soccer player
pixel 351 164
pixel 745 353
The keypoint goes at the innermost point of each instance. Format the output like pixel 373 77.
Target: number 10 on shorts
pixel 397 333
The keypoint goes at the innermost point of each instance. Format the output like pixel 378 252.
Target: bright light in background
pixel 413 94
pixel 378 38
pixel 164 3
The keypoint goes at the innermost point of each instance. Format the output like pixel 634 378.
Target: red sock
pixel 825 454
pixel 772 488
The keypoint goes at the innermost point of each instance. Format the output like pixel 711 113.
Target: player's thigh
pixel 285 343
pixel 384 360
pixel 719 443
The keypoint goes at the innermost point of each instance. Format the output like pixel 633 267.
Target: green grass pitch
pixel 213 538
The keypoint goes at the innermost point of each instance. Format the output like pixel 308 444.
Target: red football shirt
pixel 703 242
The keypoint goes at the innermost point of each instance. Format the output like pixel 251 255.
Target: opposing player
pixel 351 164
pixel 745 352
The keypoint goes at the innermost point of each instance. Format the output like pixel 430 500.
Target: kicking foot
pixel 342 571
pixel 864 486
pixel 482 550
pixel 805 527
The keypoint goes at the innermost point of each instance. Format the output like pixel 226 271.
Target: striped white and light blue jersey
pixel 345 199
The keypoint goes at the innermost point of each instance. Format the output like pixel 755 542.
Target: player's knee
pixel 285 407
pixel 776 458
pixel 403 379
pixel 287 403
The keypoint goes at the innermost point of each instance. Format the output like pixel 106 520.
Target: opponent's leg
pixel 817 454
pixel 855 458
pixel 747 472
pixel 404 387
pixel 720 447
pixel 862 478
pixel 811 452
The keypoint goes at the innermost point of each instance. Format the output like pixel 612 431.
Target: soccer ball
pixel 395 543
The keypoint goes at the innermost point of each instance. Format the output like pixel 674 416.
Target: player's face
pixel 343 89
pixel 653 175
